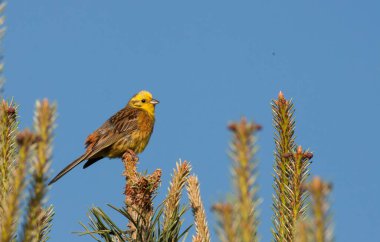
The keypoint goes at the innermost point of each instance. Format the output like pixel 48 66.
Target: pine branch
pixel 46 223
pixel 139 193
pixel 102 225
pixel 319 191
pixel 8 131
pixel 201 228
pixel 284 123
pixel 243 150
pixel 172 212
pixel 298 172
pixel 11 203
pixel 291 171
pixel 44 124
pixel 2 33
pixel 144 222
pixel 304 232
pixel 226 224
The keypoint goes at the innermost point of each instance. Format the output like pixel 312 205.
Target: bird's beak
pixel 154 101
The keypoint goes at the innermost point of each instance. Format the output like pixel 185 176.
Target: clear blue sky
pixel 208 63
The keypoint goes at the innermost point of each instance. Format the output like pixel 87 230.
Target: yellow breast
pixel 137 140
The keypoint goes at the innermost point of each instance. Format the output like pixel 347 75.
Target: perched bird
pixel 128 130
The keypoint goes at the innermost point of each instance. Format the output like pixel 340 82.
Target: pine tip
pixel 299 149
pixel 281 95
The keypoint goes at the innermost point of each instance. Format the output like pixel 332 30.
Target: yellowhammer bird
pixel 127 130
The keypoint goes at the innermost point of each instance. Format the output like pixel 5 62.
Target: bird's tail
pixel 68 168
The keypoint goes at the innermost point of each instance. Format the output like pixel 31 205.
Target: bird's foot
pixel 130 155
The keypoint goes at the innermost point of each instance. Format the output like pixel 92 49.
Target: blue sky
pixel 208 63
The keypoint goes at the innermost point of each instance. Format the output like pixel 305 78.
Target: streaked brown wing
pixel 103 143
pixel 125 120
pixel 118 126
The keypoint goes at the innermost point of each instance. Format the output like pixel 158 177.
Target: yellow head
pixel 143 100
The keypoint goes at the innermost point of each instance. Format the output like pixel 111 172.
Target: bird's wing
pixel 126 120
pixel 103 143
pixel 120 125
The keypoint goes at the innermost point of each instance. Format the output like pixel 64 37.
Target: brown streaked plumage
pixel 128 130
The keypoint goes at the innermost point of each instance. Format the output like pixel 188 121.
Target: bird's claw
pixel 131 156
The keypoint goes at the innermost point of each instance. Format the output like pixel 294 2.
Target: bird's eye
pixel 143 101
